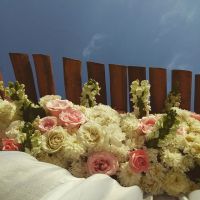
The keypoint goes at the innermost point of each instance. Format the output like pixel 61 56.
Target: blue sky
pixel 130 32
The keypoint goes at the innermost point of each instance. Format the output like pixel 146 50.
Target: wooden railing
pixel 120 79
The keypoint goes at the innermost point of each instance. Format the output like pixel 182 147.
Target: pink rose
pixel 103 163
pixel 9 145
pixel 55 107
pixel 47 123
pixel 71 118
pixel 147 124
pixel 195 116
pixel 138 161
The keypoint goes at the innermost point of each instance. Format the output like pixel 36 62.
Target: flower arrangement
pixel 160 152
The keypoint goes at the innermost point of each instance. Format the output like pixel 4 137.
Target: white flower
pixel 7 113
pixel 127 177
pixel 53 140
pixel 176 183
pixel 78 169
pixel 72 148
pixel 152 182
pixel 129 124
pixel 45 99
pixel 103 115
pixel 114 135
pixel 14 131
pixel 90 134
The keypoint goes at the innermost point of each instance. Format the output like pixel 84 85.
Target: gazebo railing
pixel 120 79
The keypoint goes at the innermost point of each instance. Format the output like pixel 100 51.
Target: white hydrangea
pixel 127 177
pixel 177 161
pixel 176 183
pixel 72 148
pixel 78 169
pixel 43 100
pixel 120 152
pixel 55 159
pixel 103 115
pixel 129 124
pixel 114 135
pixel 14 131
pixel 152 182
pixel 7 113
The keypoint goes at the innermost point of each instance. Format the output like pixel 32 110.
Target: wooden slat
pixel 44 74
pixel 134 73
pixel 1 77
pixel 184 80
pixel 96 71
pixel 158 81
pixel 23 73
pixel 72 78
pixel 118 87
pixel 197 94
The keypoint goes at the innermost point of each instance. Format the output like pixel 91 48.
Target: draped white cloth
pixel 23 177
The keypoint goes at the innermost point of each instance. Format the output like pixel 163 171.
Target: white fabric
pixel 23 177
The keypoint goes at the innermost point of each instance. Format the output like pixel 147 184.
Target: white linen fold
pixel 23 177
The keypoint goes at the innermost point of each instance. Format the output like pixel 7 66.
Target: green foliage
pixel 173 98
pixel 29 130
pixel 16 92
pixel 168 121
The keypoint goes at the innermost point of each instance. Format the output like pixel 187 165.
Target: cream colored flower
pixel 177 161
pixel 113 135
pixel 78 169
pixel 127 177
pixel 72 148
pixel 7 113
pixel 129 124
pixel 120 152
pixel 54 140
pixel 152 181
pixel 103 115
pixel 43 100
pixel 90 134
pixel 14 131
pixel 55 159
pixel 176 183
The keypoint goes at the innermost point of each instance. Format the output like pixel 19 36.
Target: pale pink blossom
pixel 56 106
pixel 71 118
pixel 138 161
pixel 147 124
pixel 103 163
pixel 47 123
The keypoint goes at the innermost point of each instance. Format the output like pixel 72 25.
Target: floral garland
pixel 159 153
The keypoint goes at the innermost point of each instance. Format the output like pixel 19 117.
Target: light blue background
pixel 130 32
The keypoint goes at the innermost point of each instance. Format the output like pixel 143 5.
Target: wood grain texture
pixel 158 81
pixel 23 73
pixel 197 94
pixel 118 87
pixel 184 80
pixel 134 73
pixel 43 68
pixel 72 78
pixel 96 71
